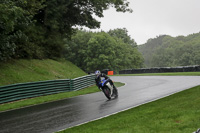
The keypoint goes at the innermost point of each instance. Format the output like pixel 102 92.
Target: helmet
pixel 97 72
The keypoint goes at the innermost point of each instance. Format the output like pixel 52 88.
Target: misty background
pixel 155 17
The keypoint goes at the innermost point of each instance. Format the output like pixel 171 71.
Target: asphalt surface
pixel 55 116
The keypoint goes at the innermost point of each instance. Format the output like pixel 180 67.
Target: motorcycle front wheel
pixel 107 92
pixel 115 91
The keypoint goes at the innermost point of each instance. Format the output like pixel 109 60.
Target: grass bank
pixel 178 113
pixel 20 71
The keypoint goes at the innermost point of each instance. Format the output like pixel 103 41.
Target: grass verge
pixel 178 113
pixel 21 71
pixel 49 98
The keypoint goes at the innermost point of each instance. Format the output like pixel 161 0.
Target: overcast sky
pixel 151 18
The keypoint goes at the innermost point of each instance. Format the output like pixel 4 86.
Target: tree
pixel 172 51
pixel 149 48
pixel 15 18
pixel 92 51
pixel 63 15
pixel 13 21
pixel 122 34
pixel 36 28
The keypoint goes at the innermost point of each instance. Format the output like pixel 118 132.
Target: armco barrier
pixel 19 91
pixel 195 68
pixel 82 82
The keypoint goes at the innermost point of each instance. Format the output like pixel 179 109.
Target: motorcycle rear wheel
pixel 107 92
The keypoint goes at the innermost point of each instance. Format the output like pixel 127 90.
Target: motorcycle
pixel 108 89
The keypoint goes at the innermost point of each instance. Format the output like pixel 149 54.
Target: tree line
pixel 40 29
pixel 167 51
pixel 36 28
pixel 113 50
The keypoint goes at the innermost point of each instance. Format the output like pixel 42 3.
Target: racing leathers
pixel 98 80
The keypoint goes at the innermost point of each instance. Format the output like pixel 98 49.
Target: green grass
pixel 178 113
pixel 164 74
pixel 20 71
pixel 49 98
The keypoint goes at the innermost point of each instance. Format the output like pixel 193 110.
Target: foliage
pixel 167 51
pixel 9 21
pixel 36 28
pixel 15 19
pixel 149 48
pixel 62 15
pixel 122 34
pixel 92 51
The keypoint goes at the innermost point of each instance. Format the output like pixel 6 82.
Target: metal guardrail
pixel 20 91
pixel 195 68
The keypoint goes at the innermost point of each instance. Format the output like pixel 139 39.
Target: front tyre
pixel 115 92
pixel 107 92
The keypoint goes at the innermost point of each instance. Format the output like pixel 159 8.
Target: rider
pixel 98 78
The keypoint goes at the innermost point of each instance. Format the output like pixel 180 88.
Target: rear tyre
pixel 107 92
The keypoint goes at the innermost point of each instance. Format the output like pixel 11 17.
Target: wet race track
pixel 55 116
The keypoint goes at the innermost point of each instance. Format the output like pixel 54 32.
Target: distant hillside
pixel 19 71
pixel 167 51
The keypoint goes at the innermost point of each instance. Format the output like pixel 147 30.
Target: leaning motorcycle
pixel 108 89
